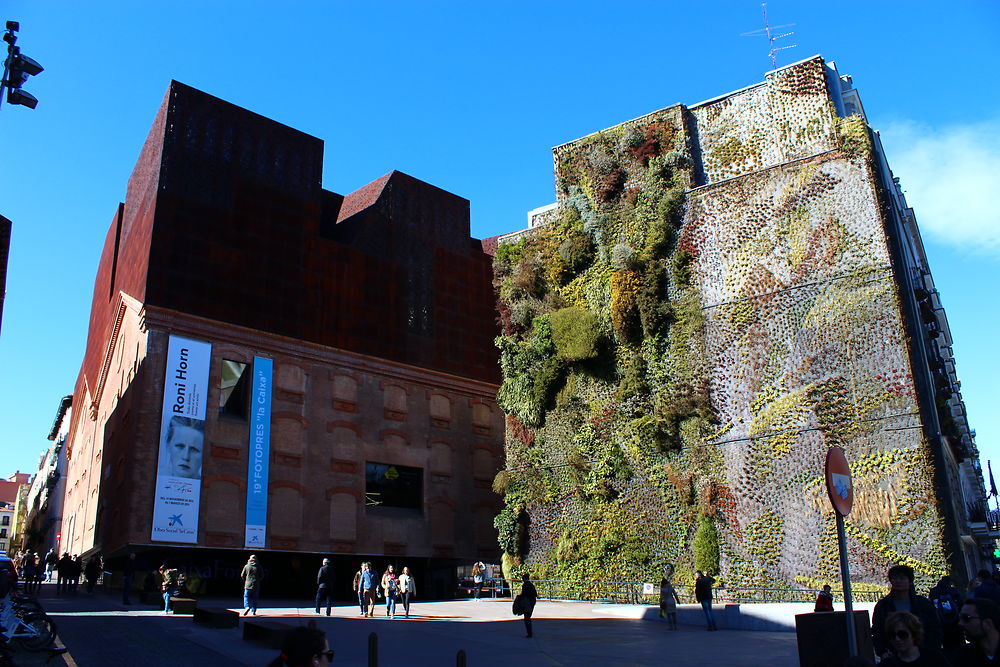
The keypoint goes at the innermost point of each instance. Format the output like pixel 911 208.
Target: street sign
pixel 838 481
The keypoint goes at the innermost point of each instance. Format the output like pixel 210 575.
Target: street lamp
pixel 16 70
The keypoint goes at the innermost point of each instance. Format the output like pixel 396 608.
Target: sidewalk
pixel 100 631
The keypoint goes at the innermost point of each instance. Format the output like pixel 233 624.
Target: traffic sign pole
pixel 840 488
pixel 845 575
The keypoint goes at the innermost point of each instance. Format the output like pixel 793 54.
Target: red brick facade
pixel 377 309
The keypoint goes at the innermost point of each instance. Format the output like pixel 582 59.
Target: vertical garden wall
pixel 710 307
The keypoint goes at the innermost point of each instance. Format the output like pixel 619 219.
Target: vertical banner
pixel 182 441
pixel 260 452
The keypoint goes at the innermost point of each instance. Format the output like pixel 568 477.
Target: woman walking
pixel 478 576
pixel 390 586
pixel 529 596
pixel 251 585
pixel 407 589
pixel 668 603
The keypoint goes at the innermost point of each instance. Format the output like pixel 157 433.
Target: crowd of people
pixel 31 569
pixel 948 627
pixel 369 588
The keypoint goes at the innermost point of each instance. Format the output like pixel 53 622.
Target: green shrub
pixel 706 546
pixel 576 333
pixel 507 530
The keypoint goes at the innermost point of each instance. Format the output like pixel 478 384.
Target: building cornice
pixel 174 322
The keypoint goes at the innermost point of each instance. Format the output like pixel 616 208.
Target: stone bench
pixel 183 605
pixel 271 632
pixel 216 617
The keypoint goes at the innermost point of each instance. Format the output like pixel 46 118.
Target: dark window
pixel 234 389
pixel 393 486
pixel 3 532
pixel 5 521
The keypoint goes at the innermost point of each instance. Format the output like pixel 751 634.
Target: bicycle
pixel 24 623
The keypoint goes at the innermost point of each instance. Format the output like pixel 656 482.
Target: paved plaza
pixel 100 631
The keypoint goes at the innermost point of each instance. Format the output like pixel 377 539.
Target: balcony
pixel 983 521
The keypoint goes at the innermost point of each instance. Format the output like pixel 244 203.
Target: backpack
pixel 947 605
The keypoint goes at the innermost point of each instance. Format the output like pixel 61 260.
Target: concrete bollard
pixel 372 650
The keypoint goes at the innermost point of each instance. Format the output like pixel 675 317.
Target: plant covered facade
pixel 712 304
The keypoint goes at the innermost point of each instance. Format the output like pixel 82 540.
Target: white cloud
pixel 951 178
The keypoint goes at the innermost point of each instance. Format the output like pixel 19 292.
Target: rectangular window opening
pixel 234 389
pixel 388 485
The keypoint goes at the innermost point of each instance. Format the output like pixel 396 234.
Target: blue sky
pixel 470 97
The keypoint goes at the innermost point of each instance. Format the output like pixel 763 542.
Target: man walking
pixel 324 586
pixel 703 594
pixel 356 587
pixel 128 572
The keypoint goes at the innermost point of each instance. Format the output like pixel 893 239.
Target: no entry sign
pixel 838 481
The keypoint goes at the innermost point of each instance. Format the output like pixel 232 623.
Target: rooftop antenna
pixel 767 31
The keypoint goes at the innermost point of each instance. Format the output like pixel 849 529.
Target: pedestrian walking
pixel 902 597
pixel 128 573
pixel 369 584
pixel 703 594
pixel 28 571
pixel 478 576
pixel 51 558
pixel 407 589
pixel 358 589
pixel 824 599
pixel 529 596
pixel 947 600
pixel 251 585
pixel 92 570
pixel 64 569
pixel 324 586
pixel 668 603
pixel 390 588
pixel 75 571
pixel 168 587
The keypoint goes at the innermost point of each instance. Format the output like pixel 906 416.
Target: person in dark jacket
pixel 92 570
pixel 64 570
pixel 703 595
pixel 529 596
pixel 987 587
pixel 980 620
pixel 947 600
pixel 128 574
pixel 902 597
pixel 324 586
pixel 251 585
pixel 905 633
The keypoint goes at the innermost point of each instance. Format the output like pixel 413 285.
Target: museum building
pixel 274 367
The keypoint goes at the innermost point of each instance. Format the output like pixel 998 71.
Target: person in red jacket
pixel 824 601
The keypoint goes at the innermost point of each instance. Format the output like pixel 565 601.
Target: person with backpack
pixel 390 586
pixel 947 599
pixel 169 585
pixel 251 585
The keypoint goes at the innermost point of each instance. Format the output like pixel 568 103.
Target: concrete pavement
pixel 100 631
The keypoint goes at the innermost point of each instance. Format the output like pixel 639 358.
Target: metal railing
pixel 630 592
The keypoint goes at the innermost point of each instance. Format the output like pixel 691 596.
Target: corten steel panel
pixel 225 218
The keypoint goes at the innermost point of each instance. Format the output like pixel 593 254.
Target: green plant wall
pixel 709 309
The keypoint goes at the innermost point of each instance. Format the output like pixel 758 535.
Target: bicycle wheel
pixel 43 633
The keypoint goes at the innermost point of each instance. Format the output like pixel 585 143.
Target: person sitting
pixel 304 646
pixel 905 633
pixel 824 601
